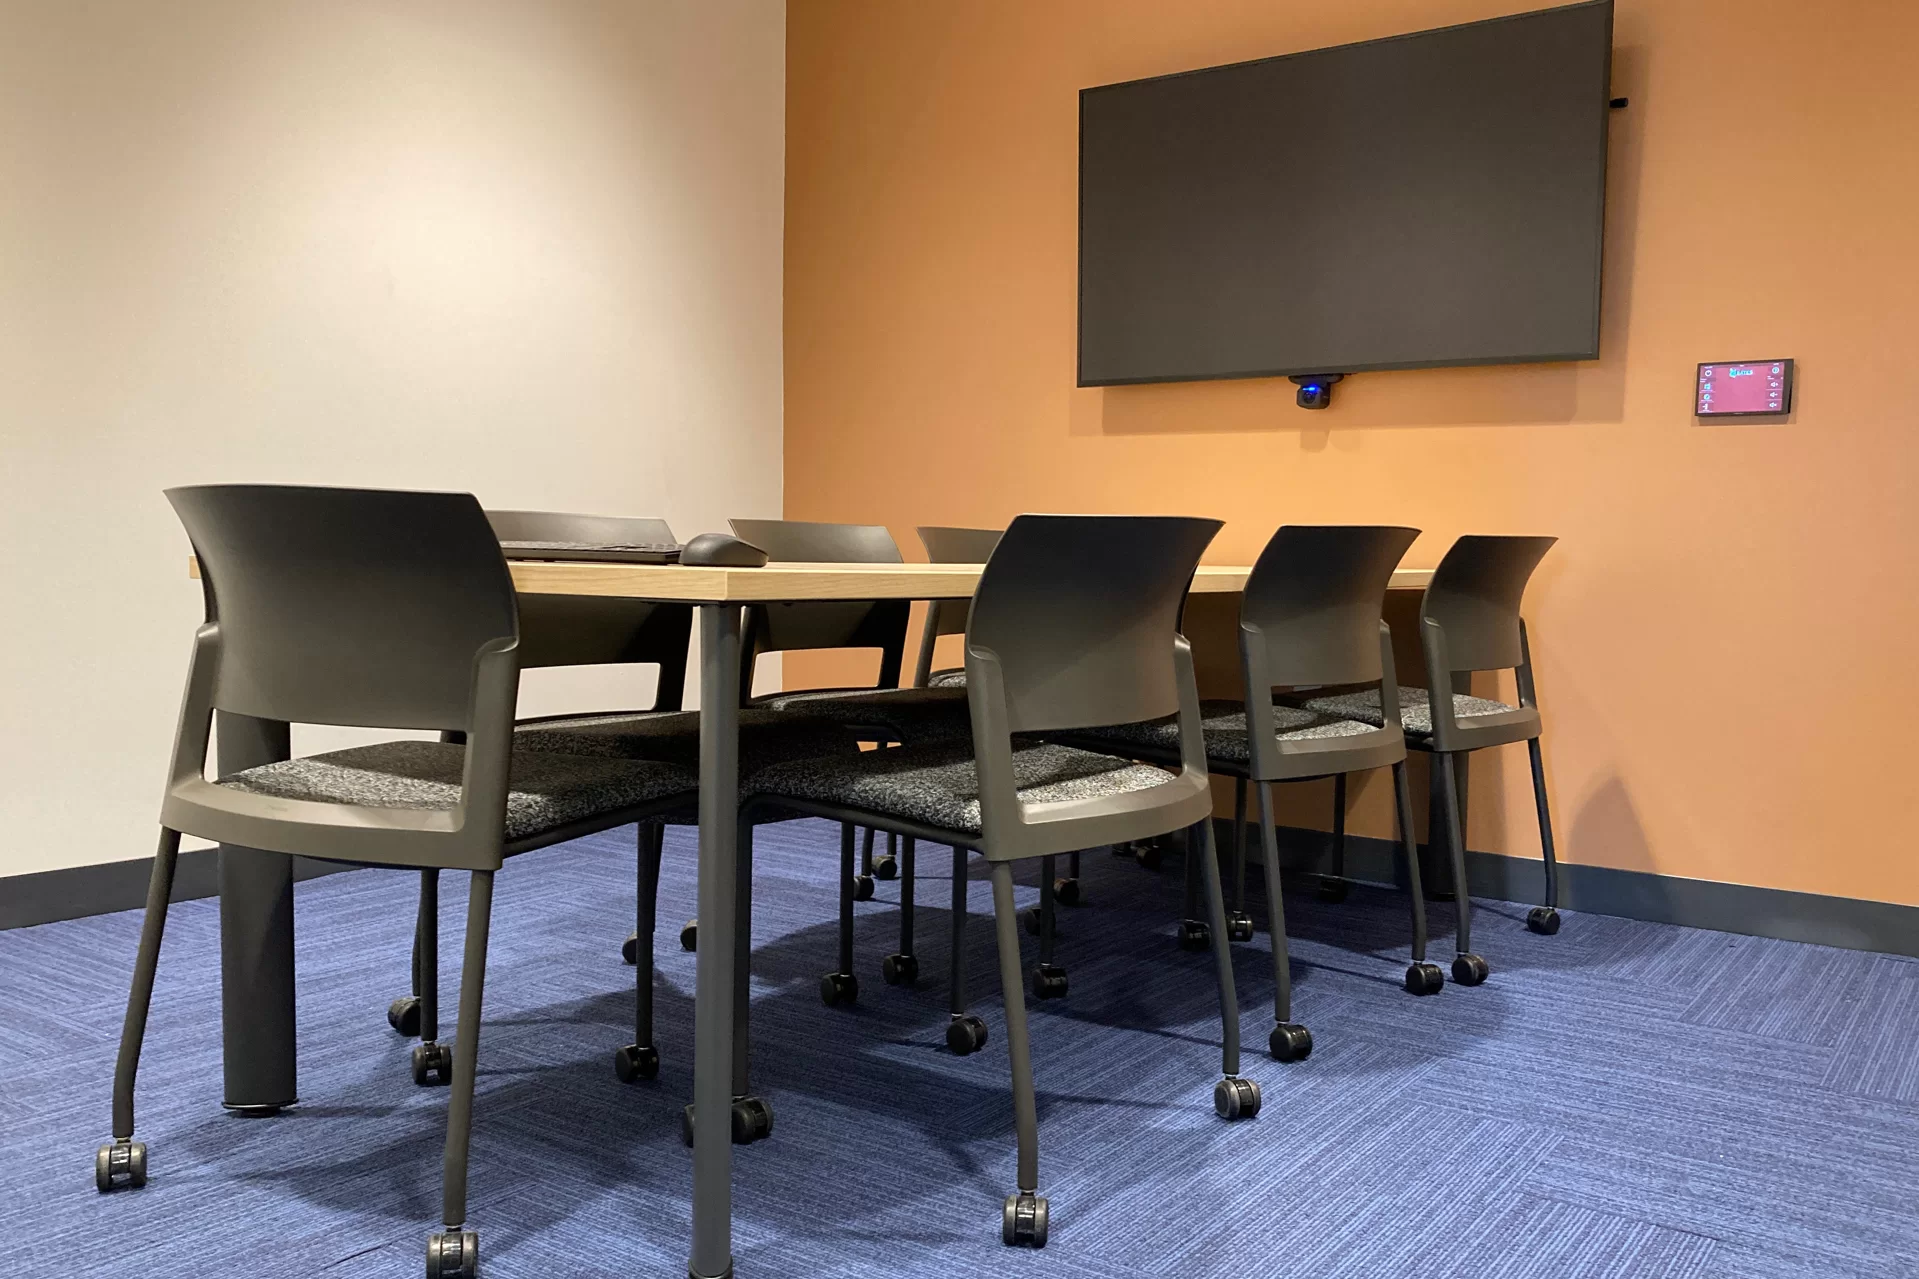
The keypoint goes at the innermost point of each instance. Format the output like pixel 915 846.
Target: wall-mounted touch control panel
pixel 1744 388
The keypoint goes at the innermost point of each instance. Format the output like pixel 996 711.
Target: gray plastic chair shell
pixel 589 630
pixel 1310 615
pixel 776 628
pixel 357 607
pixel 1075 625
pixel 947 545
pixel 1470 621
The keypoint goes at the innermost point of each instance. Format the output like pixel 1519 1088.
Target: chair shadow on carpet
pixel 549 1107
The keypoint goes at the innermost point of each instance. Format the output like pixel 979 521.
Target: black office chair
pixel 1470 621
pixel 579 630
pixel 1073 626
pixel 883 713
pixel 375 609
pixel 948 617
pixel 560 630
pixel 1310 615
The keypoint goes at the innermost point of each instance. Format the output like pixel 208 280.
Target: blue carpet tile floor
pixel 1622 1099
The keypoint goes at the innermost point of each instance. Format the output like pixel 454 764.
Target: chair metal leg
pixel 885 865
pixel 1233 1097
pixel 641 1058
pixel 1288 1041
pixel 1468 969
pixel 1193 932
pixel 123 1162
pixel 427 936
pixel 965 1033
pixel 405 1015
pixel 1239 845
pixel 432 1060
pixel 902 968
pixel 1544 919
pixel 1239 922
pixel 1049 979
pixel 862 881
pixel 1067 891
pixel 1422 978
pixel 841 986
pixel 1024 1218
pixel 1332 887
pixel 449 1250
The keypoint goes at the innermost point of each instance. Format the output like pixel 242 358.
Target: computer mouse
pixel 721 550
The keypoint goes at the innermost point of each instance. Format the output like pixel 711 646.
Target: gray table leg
pixel 256 942
pixel 713 986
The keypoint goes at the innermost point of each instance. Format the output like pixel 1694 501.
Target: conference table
pixel 256 888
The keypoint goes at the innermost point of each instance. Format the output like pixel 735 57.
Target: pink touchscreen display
pixel 1744 388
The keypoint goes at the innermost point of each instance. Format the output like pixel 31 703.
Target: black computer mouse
pixel 721 550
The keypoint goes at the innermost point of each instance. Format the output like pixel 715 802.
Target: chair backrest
pixel 1313 601
pixel 348 606
pixel 1081 615
pixel 956 546
pixel 588 630
pixel 1474 599
pixel 778 628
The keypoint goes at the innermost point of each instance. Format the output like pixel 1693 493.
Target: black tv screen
pixel 1429 199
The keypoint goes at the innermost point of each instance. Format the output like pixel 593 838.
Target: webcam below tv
pixel 1743 388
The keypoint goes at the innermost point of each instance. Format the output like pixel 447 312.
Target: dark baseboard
pixel 1856 924
pixel 1850 922
pixel 76 891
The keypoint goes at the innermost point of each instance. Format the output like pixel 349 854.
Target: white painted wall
pixel 526 248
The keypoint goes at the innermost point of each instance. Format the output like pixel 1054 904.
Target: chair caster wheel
pixel 1470 970
pixel 1290 1042
pixel 1149 854
pixel 1543 920
pixel 750 1117
pixel 885 866
pixel 1424 979
pixel 1331 890
pixel 752 1120
pixel 839 988
pixel 453 1254
pixel 690 935
pixel 1049 982
pixel 965 1034
pixel 1239 926
pixel 900 970
pixel 404 1015
pixel 862 888
pixel 1236 1098
pixel 1024 1221
pixel 630 948
pixel 432 1064
pixel 634 1063
pixel 1193 935
pixel 1066 891
pixel 120 1164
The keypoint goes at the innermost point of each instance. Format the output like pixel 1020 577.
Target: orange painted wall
pixel 1725 632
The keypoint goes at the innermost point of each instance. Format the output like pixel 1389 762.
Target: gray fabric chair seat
pixel 913 716
pixel 1415 710
pixel 1224 723
pixel 673 737
pixel 545 792
pixel 939 785
pixel 954 678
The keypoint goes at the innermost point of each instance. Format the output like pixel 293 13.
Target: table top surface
pixel 793 581
pixel 809 581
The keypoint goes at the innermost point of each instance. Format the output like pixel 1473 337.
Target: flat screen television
pixel 1427 199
